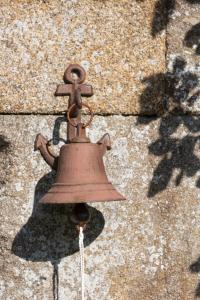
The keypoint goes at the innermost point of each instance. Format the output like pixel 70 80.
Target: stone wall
pixel 143 60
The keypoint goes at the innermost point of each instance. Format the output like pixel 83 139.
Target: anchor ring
pixel 73 123
pixel 78 70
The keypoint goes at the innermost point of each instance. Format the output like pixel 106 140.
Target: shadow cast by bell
pixel 195 268
pixel 49 234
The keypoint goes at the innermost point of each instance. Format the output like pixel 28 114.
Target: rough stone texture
pixel 183 55
pixel 146 247
pixel 111 39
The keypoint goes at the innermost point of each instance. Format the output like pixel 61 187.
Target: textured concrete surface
pixel 147 246
pixel 183 56
pixel 111 39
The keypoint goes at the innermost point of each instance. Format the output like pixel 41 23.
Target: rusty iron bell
pixel 81 175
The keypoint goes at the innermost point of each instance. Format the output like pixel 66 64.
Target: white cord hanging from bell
pixel 81 248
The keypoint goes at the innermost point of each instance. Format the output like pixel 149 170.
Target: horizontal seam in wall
pixel 99 114
pixel 63 113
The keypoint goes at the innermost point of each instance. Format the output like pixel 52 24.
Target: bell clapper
pixel 80 216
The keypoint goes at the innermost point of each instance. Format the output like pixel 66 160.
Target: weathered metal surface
pixel 147 246
pixel 74 87
pixel 73 123
pixel 74 77
pixel 81 176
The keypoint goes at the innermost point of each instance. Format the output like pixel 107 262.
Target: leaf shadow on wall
pixel 4 146
pixel 49 235
pixel 179 93
pixel 163 11
pixel 192 38
pixel 195 268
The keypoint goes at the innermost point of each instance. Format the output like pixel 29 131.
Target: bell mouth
pixel 81 193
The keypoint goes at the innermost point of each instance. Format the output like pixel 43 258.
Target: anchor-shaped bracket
pixel 74 77
pixel 42 144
